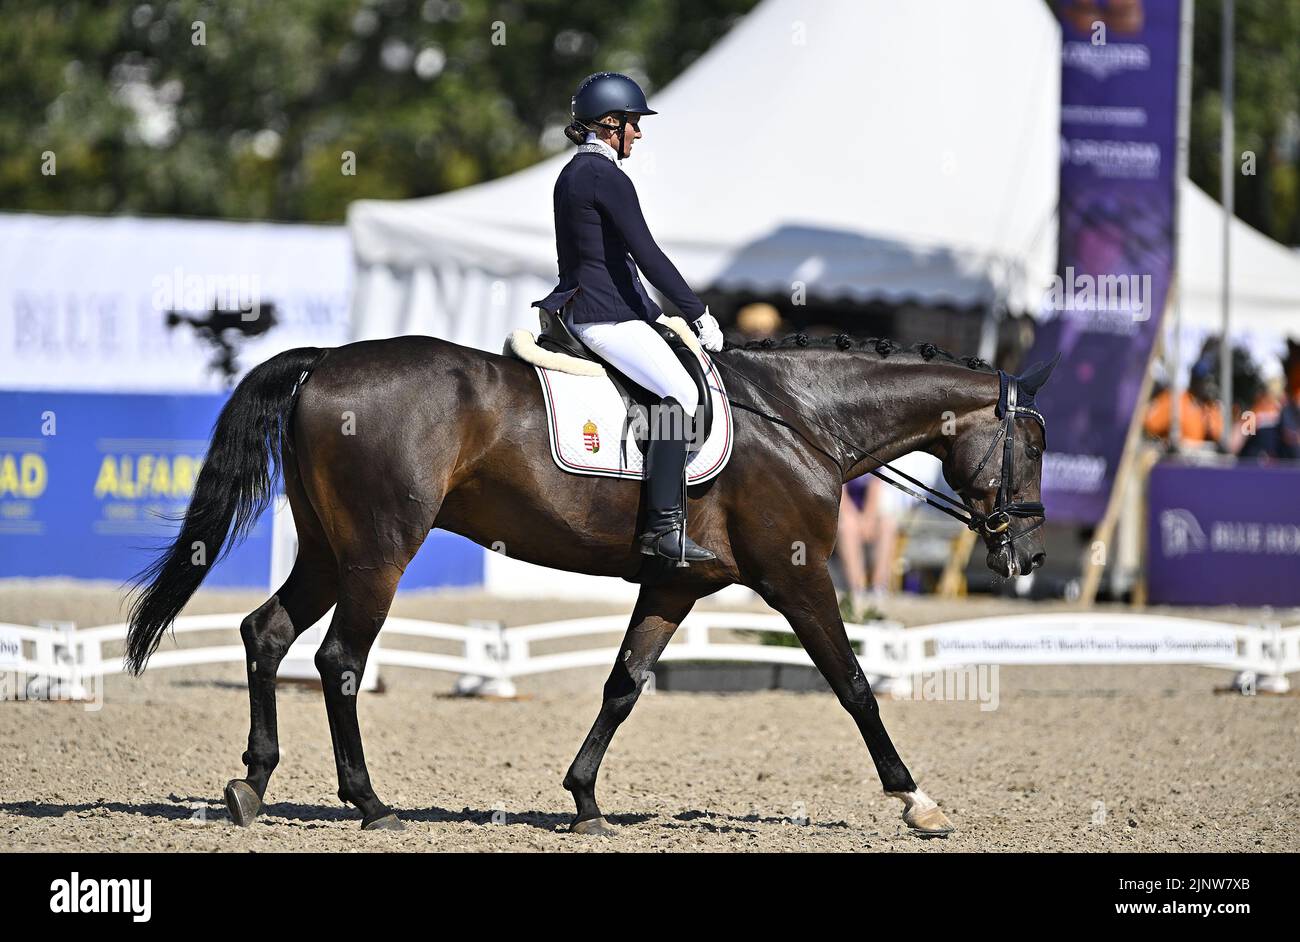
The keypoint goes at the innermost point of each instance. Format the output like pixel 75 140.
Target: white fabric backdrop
pixel 83 299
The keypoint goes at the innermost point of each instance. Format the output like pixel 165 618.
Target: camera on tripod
pixel 225 329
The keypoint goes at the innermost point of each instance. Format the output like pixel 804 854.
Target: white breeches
pixel 635 349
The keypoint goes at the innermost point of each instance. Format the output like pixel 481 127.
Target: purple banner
pixel 1119 91
pixel 1224 536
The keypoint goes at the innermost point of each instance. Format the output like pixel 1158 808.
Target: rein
pixel 995 523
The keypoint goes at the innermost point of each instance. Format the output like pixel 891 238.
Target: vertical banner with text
pixel 1119 115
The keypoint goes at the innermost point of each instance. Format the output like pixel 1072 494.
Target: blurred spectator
pixel 1247 383
pixel 1200 416
pixel 1289 430
pixel 758 320
pixel 850 542
pixel 1291 395
pixel 1263 436
pixel 868 518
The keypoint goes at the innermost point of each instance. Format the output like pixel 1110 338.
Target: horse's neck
pixel 888 406
pixel 909 404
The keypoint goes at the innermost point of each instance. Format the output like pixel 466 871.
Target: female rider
pixel 601 238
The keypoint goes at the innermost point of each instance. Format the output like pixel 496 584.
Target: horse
pixel 381 441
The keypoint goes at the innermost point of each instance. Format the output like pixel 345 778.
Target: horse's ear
pixel 1035 378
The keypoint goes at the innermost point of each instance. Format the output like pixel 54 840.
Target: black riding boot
pixel 665 462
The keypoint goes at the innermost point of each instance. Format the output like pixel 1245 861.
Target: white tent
pixel 875 149
pixel 1265 275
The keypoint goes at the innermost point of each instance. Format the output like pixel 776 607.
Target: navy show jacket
pixel 601 237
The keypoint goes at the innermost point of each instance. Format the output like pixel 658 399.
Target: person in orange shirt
pixel 1200 415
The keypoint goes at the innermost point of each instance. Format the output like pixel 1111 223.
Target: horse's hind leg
pixel 808 602
pixel 659 610
pixel 366 592
pixel 268 632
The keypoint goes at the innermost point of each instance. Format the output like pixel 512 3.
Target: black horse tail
pixel 235 485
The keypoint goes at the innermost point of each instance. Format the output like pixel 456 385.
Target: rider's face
pixel 630 134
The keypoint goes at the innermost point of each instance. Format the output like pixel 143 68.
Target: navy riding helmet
pixel 608 93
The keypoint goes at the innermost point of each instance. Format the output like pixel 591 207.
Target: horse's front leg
pixel 807 600
pixel 659 610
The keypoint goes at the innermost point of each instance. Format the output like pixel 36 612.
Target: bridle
pixel 997 522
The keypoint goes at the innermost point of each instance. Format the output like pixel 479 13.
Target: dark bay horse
pixel 380 442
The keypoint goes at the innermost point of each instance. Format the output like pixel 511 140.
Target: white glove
pixel 707 329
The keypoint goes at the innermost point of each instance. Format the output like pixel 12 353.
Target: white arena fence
pixel 488 657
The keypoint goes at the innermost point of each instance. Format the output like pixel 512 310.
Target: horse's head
pixel 995 464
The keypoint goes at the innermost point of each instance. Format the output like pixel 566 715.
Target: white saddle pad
pixel 587 419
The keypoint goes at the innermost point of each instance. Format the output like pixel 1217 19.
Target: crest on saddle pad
pixel 591 436
pixel 597 428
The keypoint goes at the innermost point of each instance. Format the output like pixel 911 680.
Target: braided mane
pixel 881 345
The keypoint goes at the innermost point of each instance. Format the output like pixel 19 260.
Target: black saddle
pixel 556 337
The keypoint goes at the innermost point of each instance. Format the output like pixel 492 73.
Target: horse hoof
pixel 242 802
pixel 928 823
pixel 389 822
pixel 597 826
pixel 922 815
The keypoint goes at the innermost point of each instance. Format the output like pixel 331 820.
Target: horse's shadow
pixel 723 823
pixel 178 810
pixel 199 810
pixel 207 810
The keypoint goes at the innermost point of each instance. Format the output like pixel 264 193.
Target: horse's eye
pixel 1034 451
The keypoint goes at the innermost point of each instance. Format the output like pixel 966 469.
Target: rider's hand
pixel 707 329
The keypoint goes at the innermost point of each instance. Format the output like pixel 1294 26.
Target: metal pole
pixel 1173 350
pixel 1228 169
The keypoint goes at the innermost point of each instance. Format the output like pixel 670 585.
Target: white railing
pixel 489 656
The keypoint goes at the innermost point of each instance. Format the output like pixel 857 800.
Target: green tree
pixel 245 108
pixel 1266 45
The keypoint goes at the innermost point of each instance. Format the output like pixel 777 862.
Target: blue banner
pixel 1119 104
pixel 91 486
pixel 1224 536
